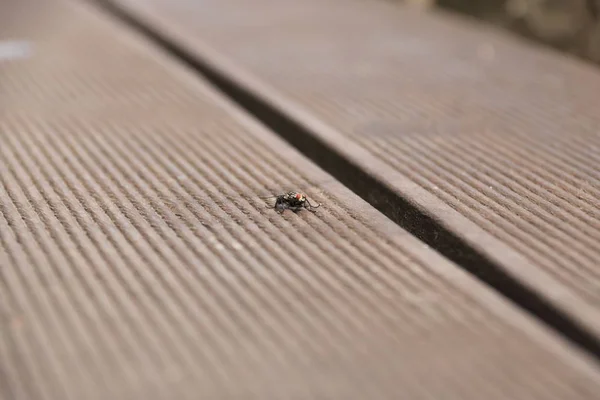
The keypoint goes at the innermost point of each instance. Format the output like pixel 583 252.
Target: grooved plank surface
pixel 138 262
pixel 497 139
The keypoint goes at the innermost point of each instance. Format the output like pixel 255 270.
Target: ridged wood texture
pixel 137 260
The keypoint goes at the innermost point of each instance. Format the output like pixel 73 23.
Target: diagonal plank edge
pixel 493 138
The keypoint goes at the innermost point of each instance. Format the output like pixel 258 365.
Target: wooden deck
pixel 455 254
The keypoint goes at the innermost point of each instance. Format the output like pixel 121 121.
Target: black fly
pixel 294 201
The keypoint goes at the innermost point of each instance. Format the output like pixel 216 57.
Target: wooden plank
pixel 139 262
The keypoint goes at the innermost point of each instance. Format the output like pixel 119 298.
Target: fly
pixel 294 201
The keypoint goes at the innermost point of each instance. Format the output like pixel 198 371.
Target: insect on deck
pixel 294 201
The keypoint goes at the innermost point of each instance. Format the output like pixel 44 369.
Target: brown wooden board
pixel 138 261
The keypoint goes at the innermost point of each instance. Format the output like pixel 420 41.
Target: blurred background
pixel 569 25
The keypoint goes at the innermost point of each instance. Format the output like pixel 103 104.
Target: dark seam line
pixel 404 213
